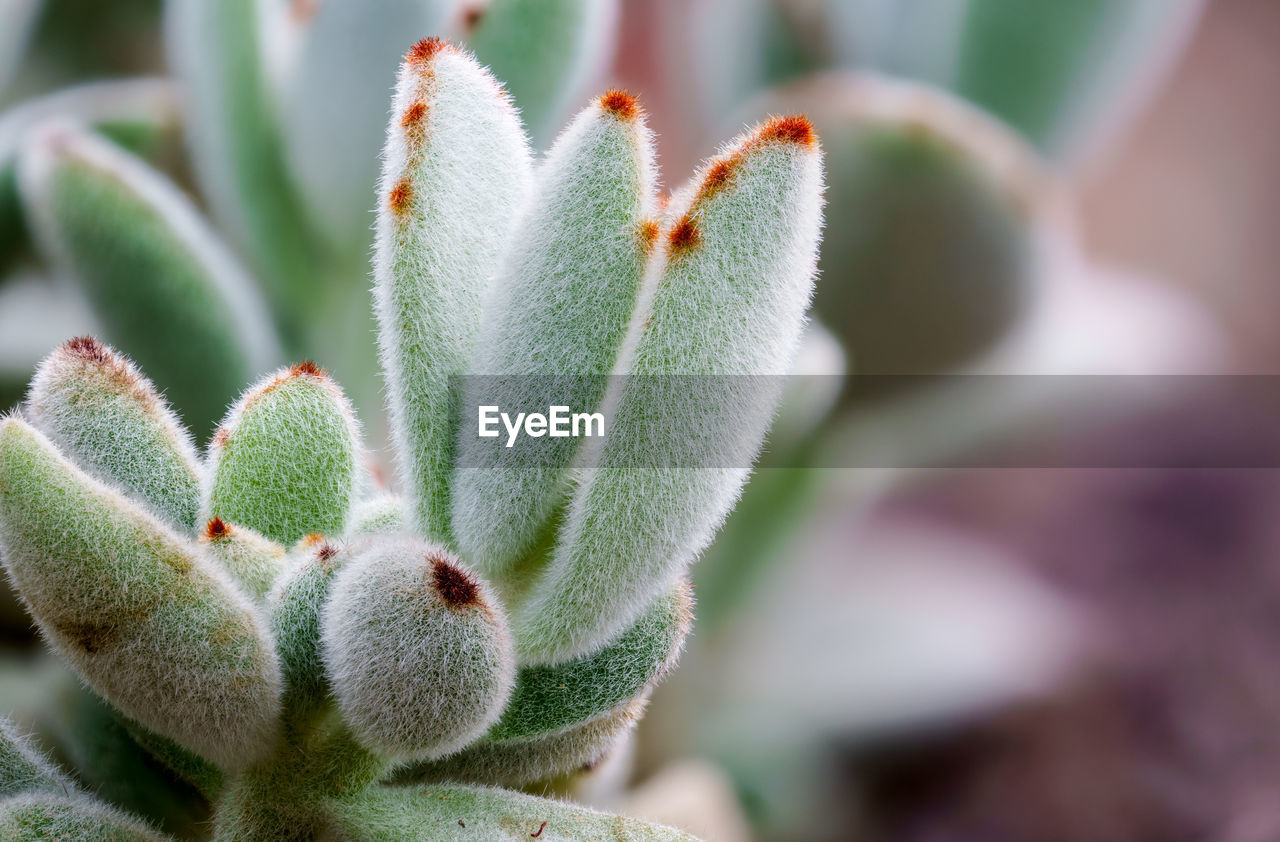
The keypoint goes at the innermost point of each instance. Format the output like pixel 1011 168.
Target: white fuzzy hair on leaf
pixel 456 172
pixel 417 650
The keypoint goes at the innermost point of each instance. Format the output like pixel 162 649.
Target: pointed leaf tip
pixel 308 368
pixel 427 49
pixel 795 128
pixel 87 348
pixel 216 529
pixel 620 104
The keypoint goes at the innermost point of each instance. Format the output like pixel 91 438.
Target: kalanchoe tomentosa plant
pixel 324 659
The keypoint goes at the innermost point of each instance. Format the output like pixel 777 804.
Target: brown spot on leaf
pixel 718 176
pixel 91 638
pixel 620 104
pixel 648 235
pixel 220 437
pixel 325 555
pixel 793 129
pixel 685 236
pixel 411 120
pixel 455 585
pixel 123 376
pixel 400 197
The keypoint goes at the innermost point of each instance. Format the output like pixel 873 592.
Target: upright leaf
pixel 233 130
pixel 740 248
pixel 562 302
pixel 455 175
pixel 102 412
pixel 139 114
pixel 339 59
pixel 285 462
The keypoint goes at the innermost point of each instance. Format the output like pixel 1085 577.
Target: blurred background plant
pixel 1016 189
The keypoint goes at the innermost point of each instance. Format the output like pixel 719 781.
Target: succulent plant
pixel 322 658
pixel 281 152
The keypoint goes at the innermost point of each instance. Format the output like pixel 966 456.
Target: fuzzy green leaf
pixel 729 304
pixel 23 768
pixel 456 172
pixel 336 122
pixel 233 130
pixel 465 813
pixel 163 285
pixel 138 114
pixel 386 514
pixel 564 297
pixel 96 744
pixel 296 606
pixel 96 406
pixel 252 560
pixel 521 762
pixel 285 462
pixel 148 623
pixel 41 817
pixel 417 650
pixel 549 699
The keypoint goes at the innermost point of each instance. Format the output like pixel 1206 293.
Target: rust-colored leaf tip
pixel 455 585
pixel 307 368
pixel 88 348
pixel 425 50
pixel 793 129
pixel 620 104
pixel 685 236
pixel 217 529
pixel 400 197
